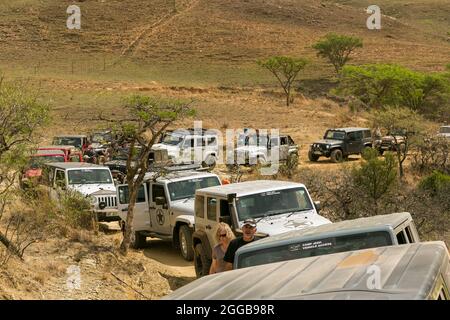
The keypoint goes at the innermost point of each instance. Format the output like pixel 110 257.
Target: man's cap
pixel 250 222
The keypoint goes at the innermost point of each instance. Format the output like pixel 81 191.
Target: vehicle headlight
pixel 328 146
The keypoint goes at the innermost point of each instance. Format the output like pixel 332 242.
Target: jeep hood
pixel 329 141
pixel 89 189
pixel 185 206
pixel 279 224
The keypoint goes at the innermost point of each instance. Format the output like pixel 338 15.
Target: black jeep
pixel 338 144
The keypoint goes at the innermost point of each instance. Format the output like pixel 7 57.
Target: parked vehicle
pixel 444 131
pixel 348 235
pixel 277 206
pixel 394 140
pixel 157 159
pixel 182 147
pixel 32 172
pixel 93 181
pixel 80 142
pixel 71 154
pixel 165 207
pixel 416 271
pixel 255 149
pixel 338 144
pixel 100 142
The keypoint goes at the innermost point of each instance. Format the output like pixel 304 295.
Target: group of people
pixel 223 253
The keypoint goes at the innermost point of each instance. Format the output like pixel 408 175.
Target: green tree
pixel 376 177
pixel 148 118
pixel 285 69
pixel 337 49
pixel 379 85
pixel 395 119
pixel 21 115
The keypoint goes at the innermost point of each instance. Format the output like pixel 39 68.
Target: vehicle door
pixel 354 142
pixel 141 218
pixel 59 185
pixel 159 209
pixel 284 147
pixel 198 152
pixel 212 218
pixel 187 150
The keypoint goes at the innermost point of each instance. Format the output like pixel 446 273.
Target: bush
pixel 379 85
pixel 76 210
pixel 436 183
pixel 432 154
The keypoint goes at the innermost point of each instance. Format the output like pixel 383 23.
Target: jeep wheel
pixel 185 236
pixel 336 156
pixel 313 157
pixel 201 261
pixel 380 152
pixel 210 162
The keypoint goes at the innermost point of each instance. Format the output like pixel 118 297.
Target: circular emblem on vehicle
pixel 160 216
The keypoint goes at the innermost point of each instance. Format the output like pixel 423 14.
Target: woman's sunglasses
pixel 222 235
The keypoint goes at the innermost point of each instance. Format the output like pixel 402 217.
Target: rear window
pixel 313 248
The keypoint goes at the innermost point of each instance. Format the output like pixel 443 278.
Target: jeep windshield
pixel 68 141
pixel 90 176
pixel 172 139
pixel 334 135
pixel 444 130
pixel 314 247
pixel 273 203
pixel 186 188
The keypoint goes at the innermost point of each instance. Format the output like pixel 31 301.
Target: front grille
pixel 111 201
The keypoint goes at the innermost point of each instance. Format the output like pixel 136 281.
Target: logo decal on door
pixel 160 216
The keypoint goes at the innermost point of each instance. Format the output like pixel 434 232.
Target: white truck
pixel 277 206
pixel 91 180
pixel 165 208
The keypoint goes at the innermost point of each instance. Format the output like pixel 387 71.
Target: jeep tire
pixel 337 156
pixel 185 238
pixel 201 261
pixel 313 157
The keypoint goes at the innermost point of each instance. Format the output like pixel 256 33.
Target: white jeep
pixel 90 180
pixel 277 206
pixel 190 146
pixel 255 149
pixel 165 208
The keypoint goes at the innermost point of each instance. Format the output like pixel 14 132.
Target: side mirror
pixel 160 201
pixel 317 205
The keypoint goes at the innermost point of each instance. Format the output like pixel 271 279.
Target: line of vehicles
pixel 185 205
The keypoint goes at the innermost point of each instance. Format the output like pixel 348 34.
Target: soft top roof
pixel 71 136
pixel 75 165
pixel 406 272
pixel 333 229
pixel 250 187
pixel 350 129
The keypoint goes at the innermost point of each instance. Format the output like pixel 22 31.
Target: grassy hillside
pixel 208 42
